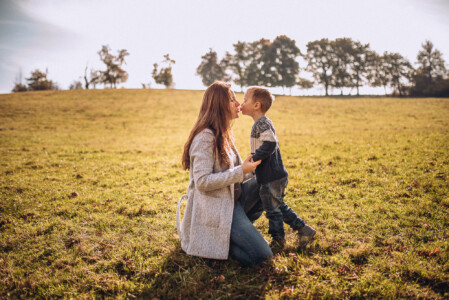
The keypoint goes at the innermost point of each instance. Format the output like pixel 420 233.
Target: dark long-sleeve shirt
pixel 265 147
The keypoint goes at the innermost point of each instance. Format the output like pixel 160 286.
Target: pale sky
pixel 64 36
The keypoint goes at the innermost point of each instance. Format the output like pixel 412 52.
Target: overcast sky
pixel 65 36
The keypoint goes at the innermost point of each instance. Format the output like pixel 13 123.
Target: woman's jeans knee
pixel 247 244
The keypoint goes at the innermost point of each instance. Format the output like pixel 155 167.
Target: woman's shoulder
pixel 202 142
pixel 204 135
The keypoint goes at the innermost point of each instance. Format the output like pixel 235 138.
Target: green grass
pixel 90 181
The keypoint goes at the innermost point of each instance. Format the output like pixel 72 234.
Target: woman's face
pixel 234 107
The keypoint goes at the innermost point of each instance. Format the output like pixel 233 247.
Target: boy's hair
pixel 261 95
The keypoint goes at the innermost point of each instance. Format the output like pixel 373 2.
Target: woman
pixel 214 223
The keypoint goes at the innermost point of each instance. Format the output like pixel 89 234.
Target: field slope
pixel 89 182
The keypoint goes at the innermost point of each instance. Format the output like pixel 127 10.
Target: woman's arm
pixel 202 163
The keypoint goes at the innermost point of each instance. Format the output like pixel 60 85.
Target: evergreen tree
pixel 319 62
pixel 341 54
pixel 361 59
pixel 378 73
pixel 431 62
pixel 210 70
pixel 429 78
pixel 259 70
pixel 238 62
pixel 39 81
pixel 285 53
pixel 399 70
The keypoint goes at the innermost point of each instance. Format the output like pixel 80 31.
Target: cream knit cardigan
pixel 206 225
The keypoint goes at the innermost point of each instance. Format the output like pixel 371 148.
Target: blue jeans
pixel 247 244
pixel 277 211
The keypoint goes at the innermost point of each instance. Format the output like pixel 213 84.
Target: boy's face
pixel 248 104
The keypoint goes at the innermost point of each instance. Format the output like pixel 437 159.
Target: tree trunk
pixel 85 79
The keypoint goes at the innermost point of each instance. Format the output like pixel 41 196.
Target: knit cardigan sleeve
pixel 202 162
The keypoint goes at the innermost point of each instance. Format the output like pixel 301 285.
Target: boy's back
pixel 265 147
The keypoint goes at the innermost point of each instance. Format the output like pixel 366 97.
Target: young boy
pixel 271 174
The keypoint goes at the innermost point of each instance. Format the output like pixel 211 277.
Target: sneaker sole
pixel 308 239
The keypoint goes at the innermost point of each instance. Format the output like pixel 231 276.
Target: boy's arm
pixel 268 147
pixel 264 151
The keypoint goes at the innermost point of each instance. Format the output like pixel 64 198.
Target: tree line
pixel 339 64
pixel 333 64
pixel 112 75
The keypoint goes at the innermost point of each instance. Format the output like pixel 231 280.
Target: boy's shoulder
pixel 261 125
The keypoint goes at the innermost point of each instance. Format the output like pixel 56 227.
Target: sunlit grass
pixel 90 180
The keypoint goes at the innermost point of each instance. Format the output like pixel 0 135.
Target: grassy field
pixel 90 180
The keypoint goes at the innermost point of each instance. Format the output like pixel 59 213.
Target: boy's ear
pixel 257 105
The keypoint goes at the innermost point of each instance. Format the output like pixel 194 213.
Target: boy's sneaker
pixel 277 245
pixel 305 235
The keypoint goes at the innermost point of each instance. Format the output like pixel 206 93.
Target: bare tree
pixel 164 74
pixel 76 85
pixel 18 85
pixel 94 78
pixel 114 73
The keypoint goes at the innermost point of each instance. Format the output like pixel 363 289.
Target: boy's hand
pixel 249 165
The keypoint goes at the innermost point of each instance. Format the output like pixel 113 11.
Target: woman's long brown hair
pixel 215 114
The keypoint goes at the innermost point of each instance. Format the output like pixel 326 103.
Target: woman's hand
pixel 249 165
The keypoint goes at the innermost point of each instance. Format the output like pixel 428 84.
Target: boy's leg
pixel 289 215
pixel 305 232
pixel 270 194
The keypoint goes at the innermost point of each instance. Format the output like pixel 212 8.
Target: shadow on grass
pixel 184 276
pixel 438 285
